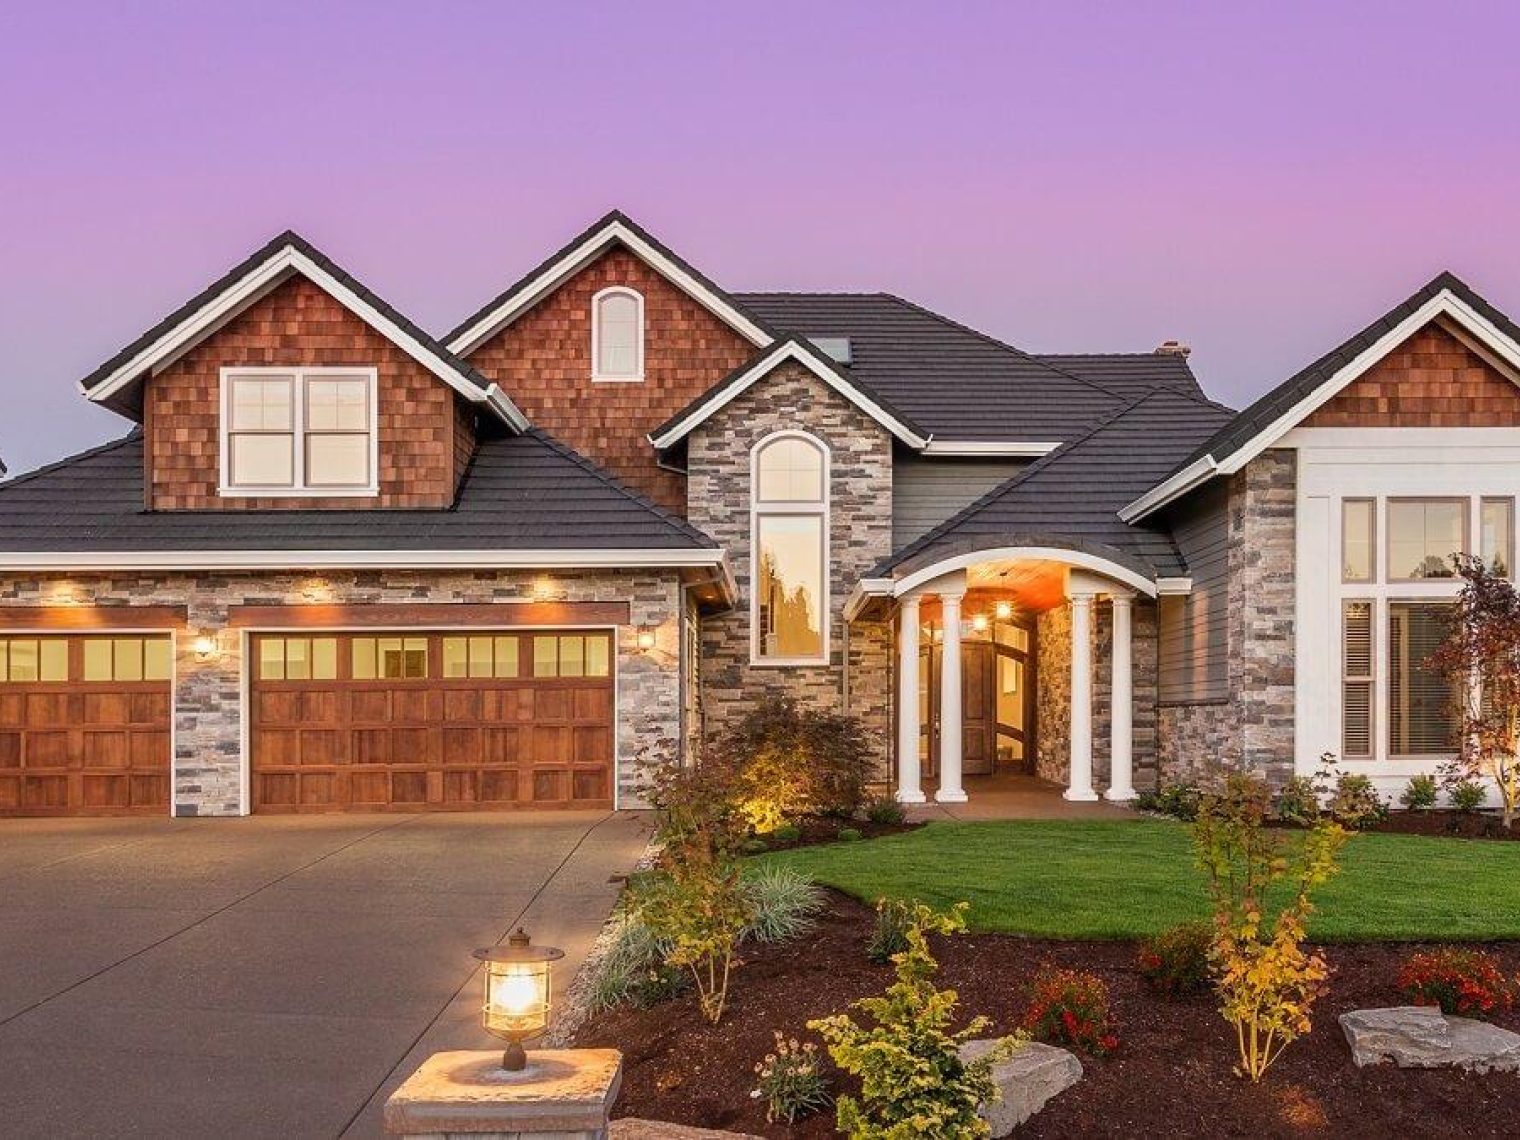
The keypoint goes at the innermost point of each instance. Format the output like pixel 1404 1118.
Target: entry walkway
pixel 1007 796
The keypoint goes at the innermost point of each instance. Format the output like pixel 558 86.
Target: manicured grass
pixel 1126 879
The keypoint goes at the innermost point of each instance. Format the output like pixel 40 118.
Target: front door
pixel 997 702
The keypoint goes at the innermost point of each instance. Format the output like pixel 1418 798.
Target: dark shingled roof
pixel 1129 373
pixel 945 378
pixel 1246 426
pixel 252 262
pixel 1075 492
pixel 525 492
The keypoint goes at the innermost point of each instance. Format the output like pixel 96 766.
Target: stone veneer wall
pixel 860 535
pixel 207 725
pixel 1053 699
pixel 1253 729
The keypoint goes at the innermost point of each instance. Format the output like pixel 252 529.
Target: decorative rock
pixel 631 1128
pixel 1027 1080
pixel 1421 1037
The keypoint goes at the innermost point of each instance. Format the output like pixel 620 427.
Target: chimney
pixel 1174 348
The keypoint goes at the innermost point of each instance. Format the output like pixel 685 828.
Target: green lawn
pixel 1124 879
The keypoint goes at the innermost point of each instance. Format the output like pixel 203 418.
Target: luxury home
pixel 340 563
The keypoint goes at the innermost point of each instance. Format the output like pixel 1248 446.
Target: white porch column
pixel 1121 783
pixel 1080 786
pixel 909 773
pixel 950 728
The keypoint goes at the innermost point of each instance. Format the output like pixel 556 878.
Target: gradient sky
pixel 1258 180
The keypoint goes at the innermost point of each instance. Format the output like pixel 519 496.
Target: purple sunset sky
pixel 1257 180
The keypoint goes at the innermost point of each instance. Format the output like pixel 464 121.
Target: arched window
pixel 789 538
pixel 617 335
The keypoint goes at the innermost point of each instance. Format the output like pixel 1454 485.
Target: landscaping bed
pixel 1443 821
pixel 1171 1073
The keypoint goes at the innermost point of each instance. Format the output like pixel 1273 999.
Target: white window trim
pixel 757 510
pixel 637 376
pixel 299 490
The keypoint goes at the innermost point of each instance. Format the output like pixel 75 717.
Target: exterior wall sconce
pixel 1003 611
pixel 516 1004
pixel 205 647
pixel 646 638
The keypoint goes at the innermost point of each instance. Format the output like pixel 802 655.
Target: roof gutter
pixel 368 559
pixel 1198 472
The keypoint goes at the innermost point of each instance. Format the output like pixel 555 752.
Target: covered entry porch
pixel 1021 665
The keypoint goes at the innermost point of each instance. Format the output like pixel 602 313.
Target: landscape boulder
pixel 1027 1080
pixel 1422 1037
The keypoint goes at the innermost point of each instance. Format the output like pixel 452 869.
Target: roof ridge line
pixel 666 516
pixel 88 453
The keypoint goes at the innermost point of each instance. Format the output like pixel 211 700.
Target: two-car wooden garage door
pixel 412 721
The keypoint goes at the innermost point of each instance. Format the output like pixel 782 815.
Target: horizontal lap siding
pixel 926 492
pixel 1194 648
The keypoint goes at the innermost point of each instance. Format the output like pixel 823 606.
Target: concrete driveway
pixel 267 976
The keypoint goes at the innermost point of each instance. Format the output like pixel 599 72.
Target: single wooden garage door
pixel 84 725
pixel 431 721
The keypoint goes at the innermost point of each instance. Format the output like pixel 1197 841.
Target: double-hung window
pixel 289 431
pixel 790 535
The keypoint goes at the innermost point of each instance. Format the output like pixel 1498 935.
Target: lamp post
pixel 516 1004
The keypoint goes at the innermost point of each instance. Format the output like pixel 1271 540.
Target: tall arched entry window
pixel 789 535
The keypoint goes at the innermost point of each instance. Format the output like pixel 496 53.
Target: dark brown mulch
pixel 819 830
pixel 1170 1076
pixel 1445 822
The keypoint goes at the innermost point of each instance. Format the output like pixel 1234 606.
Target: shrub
pixel 1356 803
pixel 754 846
pixel 913 1081
pixel 790 1081
pixel 1069 1007
pixel 1177 800
pixel 849 834
pixel 787 761
pixel 1175 963
pixel 1462 981
pixel 787 833
pixel 1467 795
pixel 632 969
pixel 1420 793
pixel 782 904
pixel 1267 982
pixel 1298 802
pixel 694 903
pixel 885 810
pixel 890 936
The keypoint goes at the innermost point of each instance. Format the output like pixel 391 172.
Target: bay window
pixel 298 431
pixel 789 533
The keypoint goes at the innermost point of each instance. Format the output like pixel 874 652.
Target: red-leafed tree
pixel 1481 656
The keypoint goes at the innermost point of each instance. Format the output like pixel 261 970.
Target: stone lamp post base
pixel 562 1094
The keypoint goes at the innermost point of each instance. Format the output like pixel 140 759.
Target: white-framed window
pixel 617 334
pixel 789 550
pixel 299 431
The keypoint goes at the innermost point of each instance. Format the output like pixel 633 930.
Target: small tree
pixel 914 1084
pixel 694 902
pixel 1266 980
pixel 1481 656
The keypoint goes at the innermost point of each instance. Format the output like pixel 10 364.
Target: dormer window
pixel 298 431
pixel 617 335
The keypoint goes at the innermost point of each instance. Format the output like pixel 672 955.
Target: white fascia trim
pixel 575 260
pixel 1168 587
pixel 789 351
pixel 1445 303
pixel 363 559
pixel 289 260
pixel 1199 471
pixel 986 449
pixel 862 593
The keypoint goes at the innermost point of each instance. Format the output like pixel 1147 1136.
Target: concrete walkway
pixel 1007 796
pixel 268 976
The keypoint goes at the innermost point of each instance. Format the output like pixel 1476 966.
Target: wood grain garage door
pixel 431 721
pixel 84 725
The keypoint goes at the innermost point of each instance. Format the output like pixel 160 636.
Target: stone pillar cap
pixel 562 1090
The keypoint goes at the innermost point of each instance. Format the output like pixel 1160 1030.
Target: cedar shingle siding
pixel 299 324
pixel 544 360
pixel 1431 380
